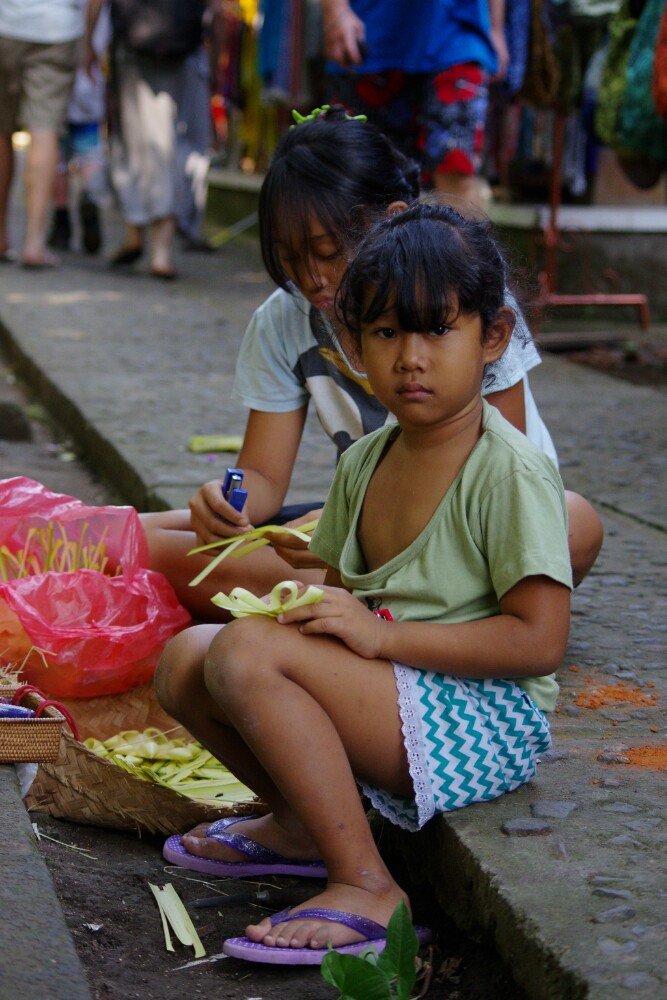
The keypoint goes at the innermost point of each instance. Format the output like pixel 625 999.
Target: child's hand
pixel 212 518
pixel 341 615
pixel 294 550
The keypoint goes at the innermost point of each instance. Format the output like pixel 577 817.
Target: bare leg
pixel 61 186
pixel 6 177
pixel 40 170
pixel 315 715
pixel 169 541
pixel 585 535
pixel 466 193
pixel 134 238
pixel 181 690
pixel 162 245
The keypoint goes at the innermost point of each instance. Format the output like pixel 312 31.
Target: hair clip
pixel 300 119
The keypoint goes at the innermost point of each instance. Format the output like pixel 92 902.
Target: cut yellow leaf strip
pixel 173 912
pixel 241 545
pixel 183 767
pixel 283 597
pixel 216 442
pixel 157 892
pixel 43 551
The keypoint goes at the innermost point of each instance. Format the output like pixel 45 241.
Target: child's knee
pixel 181 667
pixel 586 535
pixel 241 656
pixel 167 672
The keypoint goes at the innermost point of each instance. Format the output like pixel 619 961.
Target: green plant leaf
pixel 398 958
pixel 355 977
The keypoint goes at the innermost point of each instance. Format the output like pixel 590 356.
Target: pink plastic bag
pixel 100 629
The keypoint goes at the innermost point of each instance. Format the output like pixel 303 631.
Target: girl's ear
pixel 498 334
pixel 395 207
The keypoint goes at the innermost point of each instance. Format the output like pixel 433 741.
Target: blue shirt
pixel 423 36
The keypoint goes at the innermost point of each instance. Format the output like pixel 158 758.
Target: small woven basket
pixel 35 740
pixel 82 787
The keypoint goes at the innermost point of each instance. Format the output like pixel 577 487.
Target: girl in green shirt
pixel 450 523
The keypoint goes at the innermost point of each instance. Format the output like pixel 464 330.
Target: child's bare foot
pixel 375 904
pixel 264 830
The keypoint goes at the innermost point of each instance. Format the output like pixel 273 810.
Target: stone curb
pixel 38 960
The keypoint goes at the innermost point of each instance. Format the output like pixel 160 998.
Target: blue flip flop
pixel 261 860
pixel 375 934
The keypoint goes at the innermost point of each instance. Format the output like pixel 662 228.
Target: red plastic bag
pixel 78 605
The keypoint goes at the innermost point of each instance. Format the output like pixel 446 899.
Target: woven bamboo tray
pixel 30 740
pixel 84 788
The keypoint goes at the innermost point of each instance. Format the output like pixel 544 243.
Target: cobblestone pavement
pixel 567 874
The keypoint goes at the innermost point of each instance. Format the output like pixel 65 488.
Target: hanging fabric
pixel 622 27
pixel 641 129
pixel 577 41
pixel 540 85
pixel 659 81
pixel 517 36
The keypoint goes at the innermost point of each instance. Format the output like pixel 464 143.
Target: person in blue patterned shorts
pixel 423 674
pixel 421 72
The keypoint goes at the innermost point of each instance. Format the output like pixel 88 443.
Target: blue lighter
pixel 231 489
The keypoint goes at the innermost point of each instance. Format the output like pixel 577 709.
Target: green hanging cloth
pixel 622 27
pixel 640 126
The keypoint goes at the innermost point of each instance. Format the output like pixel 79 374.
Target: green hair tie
pixel 316 112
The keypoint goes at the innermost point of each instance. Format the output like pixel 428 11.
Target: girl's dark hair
pixel 430 263
pixel 342 171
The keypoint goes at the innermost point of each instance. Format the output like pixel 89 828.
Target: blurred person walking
pixel 421 73
pixel 39 55
pixel 151 40
pixel 194 137
pixel 83 152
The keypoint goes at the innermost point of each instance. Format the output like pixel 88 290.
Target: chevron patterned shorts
pixel 466 741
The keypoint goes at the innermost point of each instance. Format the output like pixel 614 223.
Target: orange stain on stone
pixel 653 757
pixel 596 695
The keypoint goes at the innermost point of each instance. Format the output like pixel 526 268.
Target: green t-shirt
pixel 502 519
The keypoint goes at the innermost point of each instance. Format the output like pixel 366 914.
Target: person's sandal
pixel 126 256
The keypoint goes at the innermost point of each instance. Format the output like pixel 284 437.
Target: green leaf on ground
pixel 356 978
pixel 398 958
pixel 390 975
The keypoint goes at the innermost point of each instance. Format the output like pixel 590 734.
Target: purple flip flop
pixel 374 934
pixel 261 860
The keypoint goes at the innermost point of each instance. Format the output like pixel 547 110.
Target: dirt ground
pixel 102 876
pixel 114 921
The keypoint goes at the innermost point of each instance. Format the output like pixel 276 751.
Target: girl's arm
pixel 512 404
pixel 498 40
pixel 527 638
pixel 267 458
